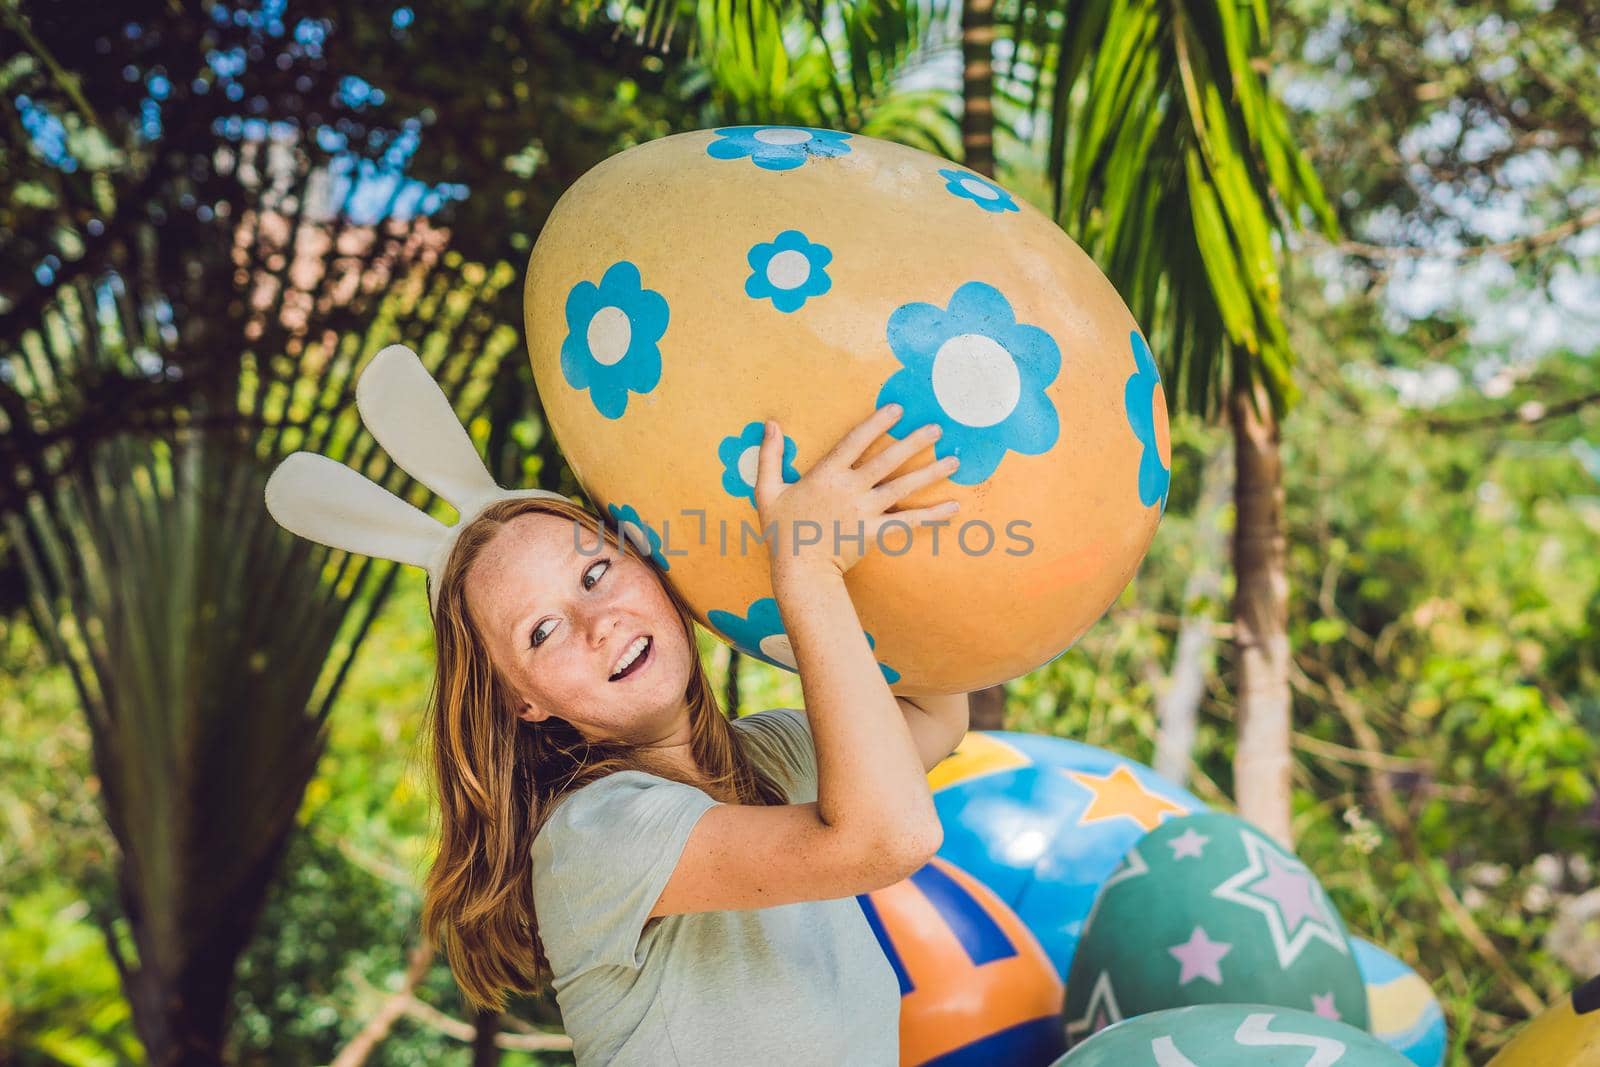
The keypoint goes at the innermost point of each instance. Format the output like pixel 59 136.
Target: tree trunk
pixel 1260 615
pixel 1178 708
pixel 485 1053
pixel 977 85
pixel 730 694
pixel 180 990
pixel 977 151
pixel 989 708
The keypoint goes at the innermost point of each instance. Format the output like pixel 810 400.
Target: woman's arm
pixel 871 775
pixel 937 724
pixel 873 822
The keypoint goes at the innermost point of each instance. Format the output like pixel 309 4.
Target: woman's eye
pixel 591 575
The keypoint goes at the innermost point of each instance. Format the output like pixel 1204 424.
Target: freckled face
pixel 559 616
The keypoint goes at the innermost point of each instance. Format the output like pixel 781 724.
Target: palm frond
pixel 806 62
pixel 206 643
pixel 1173 164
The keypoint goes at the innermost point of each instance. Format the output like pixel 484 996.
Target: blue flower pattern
pixel 1139 398
pixel 777 147
pixel 977 372
pixel 638 533
pixel 613 334
pixel 759 633
pixel 788 270
pixel 981 191
pixel 739 455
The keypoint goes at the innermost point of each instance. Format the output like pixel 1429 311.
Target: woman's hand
pixel 828 518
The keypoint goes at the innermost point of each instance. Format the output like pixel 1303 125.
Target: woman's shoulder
pixel 602 836
pixel 784 719
pixel 782 739
pixel 784 728
pixel 601 860
pixel 608 802
pixel 614 789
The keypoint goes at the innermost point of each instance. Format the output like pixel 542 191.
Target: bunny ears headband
pixel 324 501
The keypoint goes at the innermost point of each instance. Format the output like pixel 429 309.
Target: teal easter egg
pixel 1232 1035
pixel 1402 1011
pixel 1206 909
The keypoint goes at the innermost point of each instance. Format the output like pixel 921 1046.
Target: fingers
pixel 769 462
pixel 938 470
pixel 912 517
pixel 878 467
pixel 868 430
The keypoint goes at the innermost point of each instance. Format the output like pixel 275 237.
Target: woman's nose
pixel 602 626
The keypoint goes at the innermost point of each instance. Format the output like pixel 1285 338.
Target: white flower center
pixel 610 334
pixel 981 190
pixel 782 137
pixel 777 647
pixel 975 380
pixel 749 464
pixel 636 534
pixel 788 269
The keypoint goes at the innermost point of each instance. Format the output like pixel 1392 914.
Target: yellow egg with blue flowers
pixel 687 289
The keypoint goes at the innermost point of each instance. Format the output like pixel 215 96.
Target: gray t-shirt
pixel 797 984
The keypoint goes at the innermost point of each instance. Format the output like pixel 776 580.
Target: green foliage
pixel 61 1000
pixel 542 100
pixel 329 929
pixel 1426 115
pixel 1174 165
pixel 853 66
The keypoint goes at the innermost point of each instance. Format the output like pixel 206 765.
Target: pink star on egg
pixel 1199 957
pixel 1322 1004
pixel 1188 844
pixel 1291 888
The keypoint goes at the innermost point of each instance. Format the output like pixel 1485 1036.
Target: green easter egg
pixel 1206 909
pixel 1232 1035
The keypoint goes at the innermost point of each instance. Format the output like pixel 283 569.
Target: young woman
pixel 685 882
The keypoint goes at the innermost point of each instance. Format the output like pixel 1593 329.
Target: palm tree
pixel 188 294
pixel 207 645
pixel 1174 166
pixel 977 152
pixel 846 66
pixel 977 85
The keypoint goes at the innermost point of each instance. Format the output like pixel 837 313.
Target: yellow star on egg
pixel 1120 793
pixel 978 755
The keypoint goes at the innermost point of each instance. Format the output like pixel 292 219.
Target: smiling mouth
pixel 641 656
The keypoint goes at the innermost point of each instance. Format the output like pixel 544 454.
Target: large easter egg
pixel 1232 1035
pixel 1567 1033
pixel 975 986
pixel 686 289
pixel 1402 1011
pixel 1043 821
pixel 1207 909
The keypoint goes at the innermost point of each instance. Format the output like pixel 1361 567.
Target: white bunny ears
pixel 324 501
